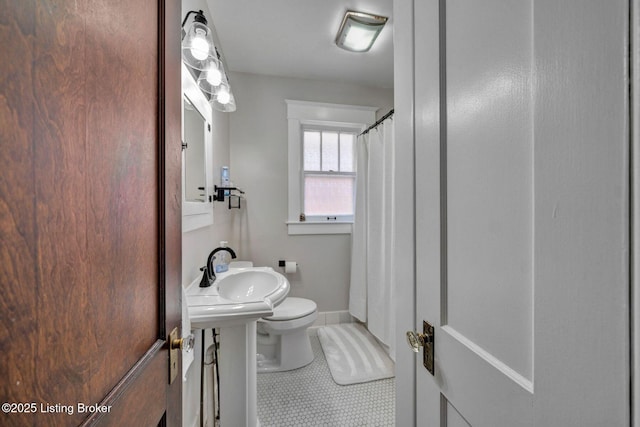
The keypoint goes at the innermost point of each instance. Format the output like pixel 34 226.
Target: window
pixel 328 178
pixel 322 165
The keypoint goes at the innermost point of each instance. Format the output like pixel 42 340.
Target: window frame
pixel 302 115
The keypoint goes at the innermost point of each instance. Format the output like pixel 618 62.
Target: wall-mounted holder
pixel 235 201
pixel 289 267
pixel 220 195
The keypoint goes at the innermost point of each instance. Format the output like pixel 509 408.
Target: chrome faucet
pixel 209 275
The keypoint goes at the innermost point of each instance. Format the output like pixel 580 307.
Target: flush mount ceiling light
pixel 359 30
pixel 197 45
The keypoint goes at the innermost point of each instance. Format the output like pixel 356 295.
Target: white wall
pixel 258 131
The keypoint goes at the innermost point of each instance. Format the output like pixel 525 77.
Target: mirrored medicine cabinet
pixel 197 147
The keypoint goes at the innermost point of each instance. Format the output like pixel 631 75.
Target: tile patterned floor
pixel 309 397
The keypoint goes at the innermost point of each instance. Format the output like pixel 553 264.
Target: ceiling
pixel 295 38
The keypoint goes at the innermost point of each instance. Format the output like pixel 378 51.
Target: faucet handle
pixel 205 282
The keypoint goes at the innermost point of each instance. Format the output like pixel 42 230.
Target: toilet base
pixel 270 359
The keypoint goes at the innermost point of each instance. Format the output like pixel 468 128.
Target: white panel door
pixel 521 212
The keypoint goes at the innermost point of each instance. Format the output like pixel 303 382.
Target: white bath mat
pixel 353 354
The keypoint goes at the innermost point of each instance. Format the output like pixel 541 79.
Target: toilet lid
pixel 293 308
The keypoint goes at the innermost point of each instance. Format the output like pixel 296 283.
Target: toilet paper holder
pixel 283 264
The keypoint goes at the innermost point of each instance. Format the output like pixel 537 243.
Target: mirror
pixel 197 143
pixel 195 130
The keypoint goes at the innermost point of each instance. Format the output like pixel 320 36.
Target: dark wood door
pixel 89 211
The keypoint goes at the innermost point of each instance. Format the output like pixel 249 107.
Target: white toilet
pixel 283 342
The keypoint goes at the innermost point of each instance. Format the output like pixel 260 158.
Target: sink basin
pixel 253 285
pixel 238 296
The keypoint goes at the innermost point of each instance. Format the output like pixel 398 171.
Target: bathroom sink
pixel 247 285
pixel 238 296
pixel 233 304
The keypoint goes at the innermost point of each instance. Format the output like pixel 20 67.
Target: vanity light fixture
pixel 223 100
pixel 211 77
pixel 214 82
pixel 359 30
pixel 197 45
pixel 223 95
pixel 213 73
pixel 200 54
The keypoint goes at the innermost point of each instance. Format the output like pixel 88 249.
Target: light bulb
pixel 223 96
pixel 359 38
pixel 199 45
pixel 214 76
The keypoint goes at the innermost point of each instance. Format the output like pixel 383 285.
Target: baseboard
pixel 332 318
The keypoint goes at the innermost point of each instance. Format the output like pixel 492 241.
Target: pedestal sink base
pixel 237 367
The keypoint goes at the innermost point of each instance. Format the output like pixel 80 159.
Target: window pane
pixel 346 152
pixel 330 151
pixel 311 150
pixel 328 195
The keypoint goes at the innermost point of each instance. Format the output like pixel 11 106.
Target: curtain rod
pixel 375 125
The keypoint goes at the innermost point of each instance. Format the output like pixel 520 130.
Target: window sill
pixel 318 227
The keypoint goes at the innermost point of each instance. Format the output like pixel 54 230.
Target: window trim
pixel 307 114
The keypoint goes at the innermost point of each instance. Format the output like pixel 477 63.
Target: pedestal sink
pixel 234 303
pixel 236 296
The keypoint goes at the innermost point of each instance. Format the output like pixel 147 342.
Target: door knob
pixel 175 345
pixel 426 340
pixel 416 340
pixel 185 343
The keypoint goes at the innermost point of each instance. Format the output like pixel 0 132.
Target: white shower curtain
pixel 371 294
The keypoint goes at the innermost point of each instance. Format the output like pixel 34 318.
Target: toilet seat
pixel 292 308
